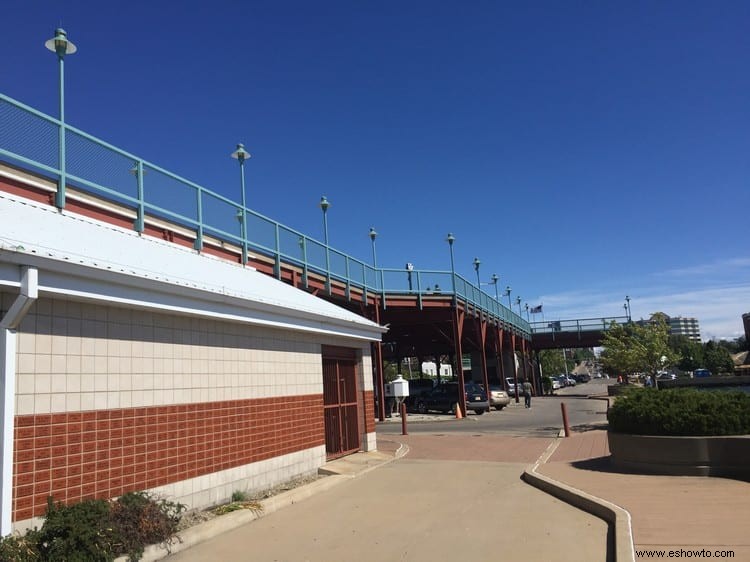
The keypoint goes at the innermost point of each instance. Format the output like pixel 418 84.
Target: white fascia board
pixel 74 255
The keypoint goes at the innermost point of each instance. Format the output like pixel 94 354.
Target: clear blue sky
pixel 584 151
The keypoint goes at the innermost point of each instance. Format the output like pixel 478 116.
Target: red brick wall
pixel 102 454
pixel 369 410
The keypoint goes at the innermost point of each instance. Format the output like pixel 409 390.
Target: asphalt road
pixel 543 419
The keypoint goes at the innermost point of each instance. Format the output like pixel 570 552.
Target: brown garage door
pixel 340 404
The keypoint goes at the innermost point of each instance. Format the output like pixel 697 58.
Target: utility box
pixel 399 388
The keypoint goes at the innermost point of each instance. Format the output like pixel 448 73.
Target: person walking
pixel 527 391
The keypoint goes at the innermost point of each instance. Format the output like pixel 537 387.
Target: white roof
pixel 89 259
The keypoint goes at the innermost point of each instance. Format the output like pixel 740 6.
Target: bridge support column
pixel 514 364
pixel 482 332
pixel 458 331
pixel 527 372
pixel 499 335
pixel 378 364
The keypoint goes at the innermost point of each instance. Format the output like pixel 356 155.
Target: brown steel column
pixel 526 374
pixel 458 331
pixel 379 382
pixel 500 334
pixel 513 357
pixel 483 338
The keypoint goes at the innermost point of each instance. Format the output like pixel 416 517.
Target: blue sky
pixel 584 151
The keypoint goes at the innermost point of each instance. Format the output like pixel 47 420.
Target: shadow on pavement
pixel 584 427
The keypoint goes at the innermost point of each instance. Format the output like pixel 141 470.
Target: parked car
pixel 701 373
pixel 556 384
pixel 417 388
pixel 666 376
pixel 444 398
pixel 511 386
pixel 569 380
pixel 498 397
pixel 582 378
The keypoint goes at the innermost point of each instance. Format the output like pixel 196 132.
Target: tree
pixel 717 359
pixel 552 362
pixel 635 348
pixel 691 353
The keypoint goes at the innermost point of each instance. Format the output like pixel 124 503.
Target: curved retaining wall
pixel 682 456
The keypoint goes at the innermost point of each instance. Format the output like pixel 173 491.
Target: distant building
pixel 680 326
pixel 430 369
pixel 688 327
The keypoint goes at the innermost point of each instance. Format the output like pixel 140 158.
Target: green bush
pixel 547 384
pixel 20 548
pixel 80 532
pixel 645 411
pixel 97 530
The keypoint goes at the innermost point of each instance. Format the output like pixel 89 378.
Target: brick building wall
pixel 112 399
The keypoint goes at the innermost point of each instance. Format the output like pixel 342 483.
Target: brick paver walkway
pixel 668 512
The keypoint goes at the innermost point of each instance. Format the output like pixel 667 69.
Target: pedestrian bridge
pixel 587 332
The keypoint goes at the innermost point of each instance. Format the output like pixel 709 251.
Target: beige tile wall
pixel 74 357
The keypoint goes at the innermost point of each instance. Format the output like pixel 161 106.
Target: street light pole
pixel 527 313
pixel 507 294
pixel 60 45
pixel 495 279
pixel 450 239
pixel 518 302
pixel 477 263
pixel 324 204
pixel 373 235
pixel 627 303
pixel 241 155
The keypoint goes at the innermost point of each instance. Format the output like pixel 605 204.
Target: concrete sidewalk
pixel 420 509
pixel 646 512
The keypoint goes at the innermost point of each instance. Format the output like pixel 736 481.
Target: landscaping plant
pixel 683 411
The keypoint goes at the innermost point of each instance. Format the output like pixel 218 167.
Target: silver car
pixel 499 399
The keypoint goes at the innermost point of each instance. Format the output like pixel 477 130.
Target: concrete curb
pixel 230 521
pixel 617 517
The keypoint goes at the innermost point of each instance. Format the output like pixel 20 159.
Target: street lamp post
pixel 60 45
pixel 507 294
pixel 450 239
pixel 373 235
pixel 527 313
pixel 241 155
pixel 324 204
pixel 627 304
pixel 518 302
pixel 477 263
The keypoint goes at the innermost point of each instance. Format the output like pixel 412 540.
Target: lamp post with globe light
pixel 61 46
pixel 241 155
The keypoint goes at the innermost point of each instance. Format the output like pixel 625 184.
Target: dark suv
pixel 444 398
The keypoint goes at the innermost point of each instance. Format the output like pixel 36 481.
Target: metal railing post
pixel 198 245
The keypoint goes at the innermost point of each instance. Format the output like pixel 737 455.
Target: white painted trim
pixel 8 324
pixel 88 260
pixel 8 382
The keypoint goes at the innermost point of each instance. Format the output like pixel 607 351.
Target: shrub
pixel 80 532
pixel 547 384
pixel 140 519
pixel 20 548
pixel 644 411
pixel 97 530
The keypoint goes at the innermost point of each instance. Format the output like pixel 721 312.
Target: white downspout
pixel 8 326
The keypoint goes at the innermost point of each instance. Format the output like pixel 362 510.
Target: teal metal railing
pixel 30 138
pixel 582 325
